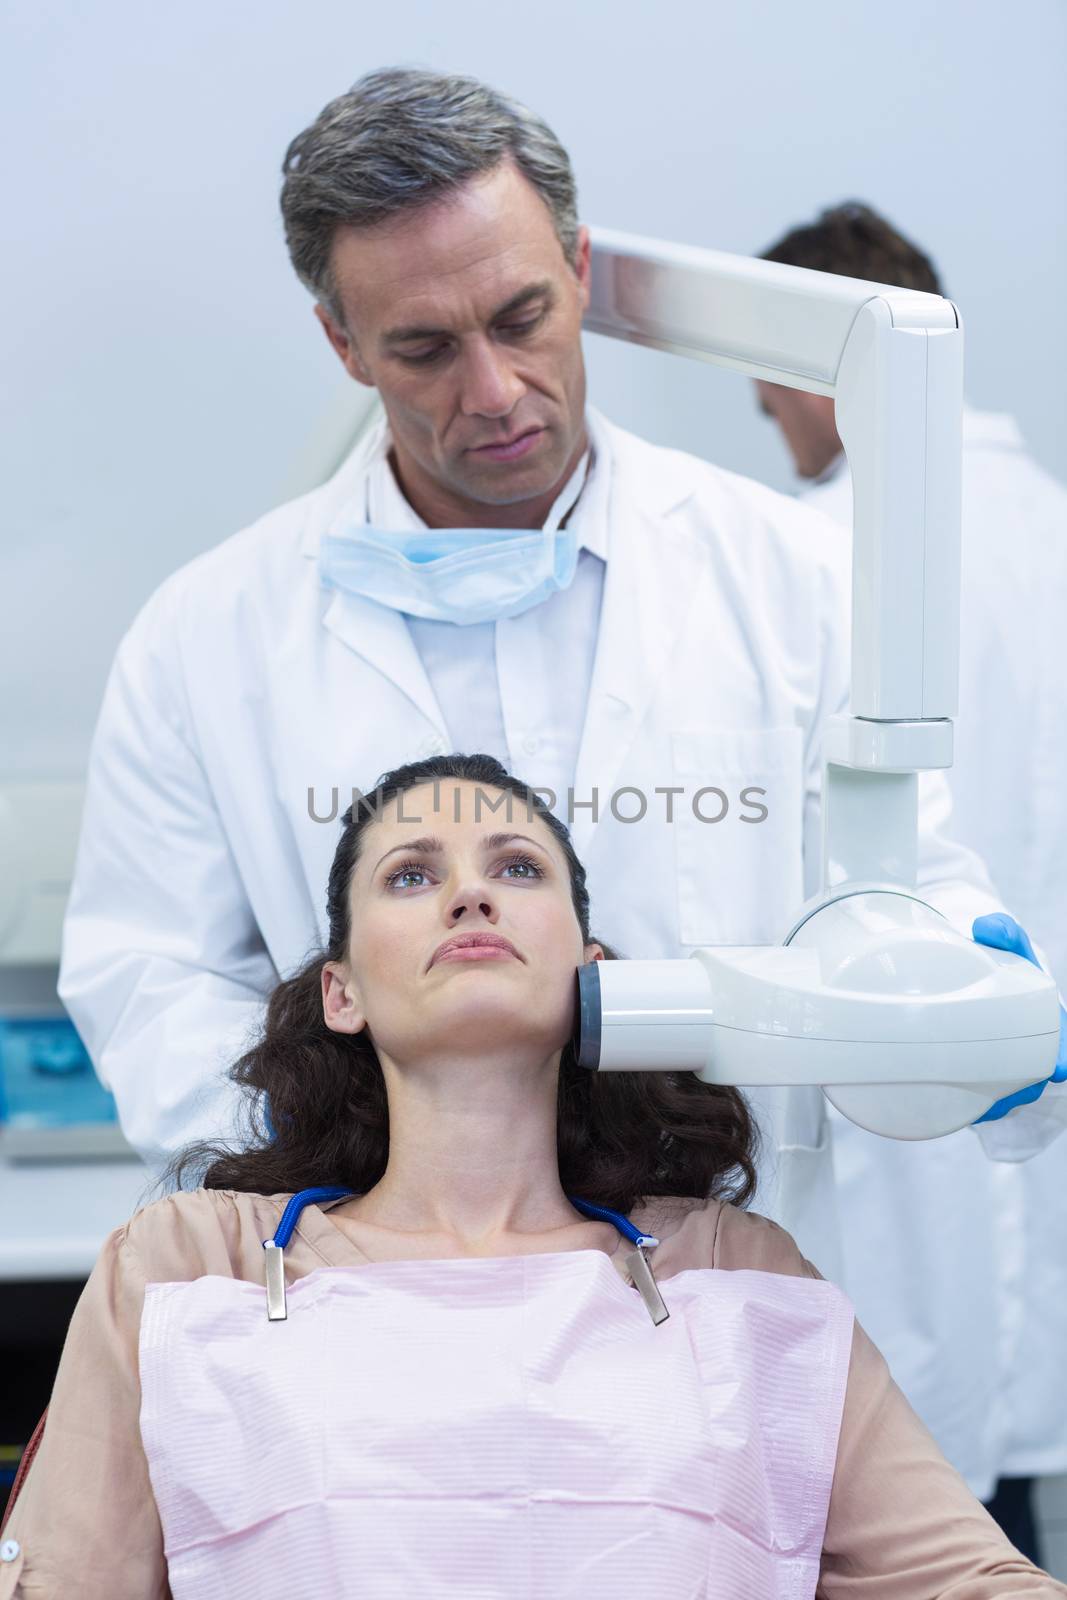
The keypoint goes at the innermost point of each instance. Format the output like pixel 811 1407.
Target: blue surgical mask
pixel 460 575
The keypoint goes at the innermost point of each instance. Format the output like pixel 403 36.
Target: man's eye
pixel 521 327
pixel 424 357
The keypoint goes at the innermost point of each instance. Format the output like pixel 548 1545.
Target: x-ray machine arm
pixel 912 1029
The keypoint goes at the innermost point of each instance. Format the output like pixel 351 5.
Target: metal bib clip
pixel 641 1276
pixel 275 1255
pixel 275 1248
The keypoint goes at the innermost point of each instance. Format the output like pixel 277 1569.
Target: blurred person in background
pixel 966 1289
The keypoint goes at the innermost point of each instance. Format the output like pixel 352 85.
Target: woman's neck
pixel 472 1155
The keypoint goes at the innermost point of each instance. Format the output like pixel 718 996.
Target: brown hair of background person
pixel 853 241
pixel 621 1136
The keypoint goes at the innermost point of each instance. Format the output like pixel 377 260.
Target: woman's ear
pixel 594 952
pixel 342 1009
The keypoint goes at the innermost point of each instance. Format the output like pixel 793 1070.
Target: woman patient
pixel 522 1340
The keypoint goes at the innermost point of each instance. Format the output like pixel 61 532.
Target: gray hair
pixel 401 138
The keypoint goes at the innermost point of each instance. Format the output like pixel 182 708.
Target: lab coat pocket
pixel 738 833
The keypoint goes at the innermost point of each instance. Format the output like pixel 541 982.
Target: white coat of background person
pixel 966 1291
pixel 700 644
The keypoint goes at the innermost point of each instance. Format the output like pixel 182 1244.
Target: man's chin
pixel 504 483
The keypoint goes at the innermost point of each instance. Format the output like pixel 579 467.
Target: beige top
pixel 902 1524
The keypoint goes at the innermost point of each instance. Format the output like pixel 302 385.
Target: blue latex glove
pixel 1002 932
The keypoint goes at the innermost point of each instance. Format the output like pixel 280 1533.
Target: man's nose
pixel 491 387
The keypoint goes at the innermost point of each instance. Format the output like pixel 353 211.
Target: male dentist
pixel 658 642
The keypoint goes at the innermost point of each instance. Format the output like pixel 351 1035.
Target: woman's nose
pixel 472 899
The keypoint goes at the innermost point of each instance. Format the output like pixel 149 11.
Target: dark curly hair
pixel 621 1136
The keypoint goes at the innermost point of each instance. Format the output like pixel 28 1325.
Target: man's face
pixel 466 316
pixel 807 423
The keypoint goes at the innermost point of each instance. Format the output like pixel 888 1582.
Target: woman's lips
pixel 510 452
pixel 474 952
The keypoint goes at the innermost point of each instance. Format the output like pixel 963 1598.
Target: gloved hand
pixel 1002 932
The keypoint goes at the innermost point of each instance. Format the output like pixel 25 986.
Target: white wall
pixel 163 375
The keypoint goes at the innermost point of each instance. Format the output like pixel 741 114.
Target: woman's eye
pixel 528 862
pixel 410 869
pixel 414 869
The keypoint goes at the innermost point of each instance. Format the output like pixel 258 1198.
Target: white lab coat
pixel 968 1299
pixel 201 878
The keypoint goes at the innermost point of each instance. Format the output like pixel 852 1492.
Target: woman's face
pixel 437 866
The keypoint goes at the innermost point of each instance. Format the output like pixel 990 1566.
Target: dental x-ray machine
pixel 871 992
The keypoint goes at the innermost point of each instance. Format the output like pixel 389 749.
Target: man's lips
pixel 475 947
pixel 510 449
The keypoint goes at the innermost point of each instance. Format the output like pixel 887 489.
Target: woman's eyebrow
pixel 430 845
pixel 427 846
pixel 493 841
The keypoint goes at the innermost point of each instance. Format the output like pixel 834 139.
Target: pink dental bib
pixel 494 1429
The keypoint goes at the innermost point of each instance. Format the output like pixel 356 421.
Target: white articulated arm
pixel 912 1028
pixel 893 361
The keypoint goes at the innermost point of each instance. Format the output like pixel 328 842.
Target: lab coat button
pixel 531 745
pixel 9 1550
